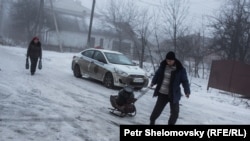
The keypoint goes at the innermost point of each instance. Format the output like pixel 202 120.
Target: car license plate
pixel 138 80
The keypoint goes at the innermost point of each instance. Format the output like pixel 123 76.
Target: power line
pixel 152 4
pixel 160 5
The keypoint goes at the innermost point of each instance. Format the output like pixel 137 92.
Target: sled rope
pixel 143 93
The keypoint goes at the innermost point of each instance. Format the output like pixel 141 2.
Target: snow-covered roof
pixel 70 7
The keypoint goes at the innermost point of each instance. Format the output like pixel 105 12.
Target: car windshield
pixel 115 58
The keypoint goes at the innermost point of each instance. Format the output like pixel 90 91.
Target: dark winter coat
pixel 178 77
pixel 34 50
pixel 124 97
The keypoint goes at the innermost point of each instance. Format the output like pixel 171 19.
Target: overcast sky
pixel 197 7
pixel 198 12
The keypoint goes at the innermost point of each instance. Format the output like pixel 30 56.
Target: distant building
pixel 73 21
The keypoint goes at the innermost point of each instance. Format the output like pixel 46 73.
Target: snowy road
pixel 54 105
pixel 51 104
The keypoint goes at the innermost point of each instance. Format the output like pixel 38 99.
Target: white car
pixel 110 67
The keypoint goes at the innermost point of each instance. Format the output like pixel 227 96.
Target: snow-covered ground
pixel 54 105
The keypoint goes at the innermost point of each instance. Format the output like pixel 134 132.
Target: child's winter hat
pixel 170 55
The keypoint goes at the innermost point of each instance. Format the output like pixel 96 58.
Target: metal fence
pixel 231 76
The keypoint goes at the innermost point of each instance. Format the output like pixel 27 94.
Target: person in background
pixel 34 52
pixel 168 78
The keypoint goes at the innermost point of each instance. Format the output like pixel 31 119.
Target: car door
pixel 97 66
pixel 85 60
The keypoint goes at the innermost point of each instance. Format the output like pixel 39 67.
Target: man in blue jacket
pixel 168 78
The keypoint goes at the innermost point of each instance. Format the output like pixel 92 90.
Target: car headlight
pixel 120 72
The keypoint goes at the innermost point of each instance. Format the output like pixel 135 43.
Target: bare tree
pixel 1 17
pixel 199 50
pixel 142 28
pixel 56 26
pixel 130 22
pixel 40 18
pixel 232 30
pixel 174 14
pixel 119 15
pixel 25 14
pixel 197 53
pixel 157 33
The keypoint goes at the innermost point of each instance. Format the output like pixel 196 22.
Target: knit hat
pixel 170 55
pixel 35 38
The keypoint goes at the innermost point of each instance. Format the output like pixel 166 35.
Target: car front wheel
pixel 77 71
pixel 108 80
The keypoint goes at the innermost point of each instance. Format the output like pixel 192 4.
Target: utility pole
pixel 90 24
pixel 56 25
pixel 1 16
pixel 40 19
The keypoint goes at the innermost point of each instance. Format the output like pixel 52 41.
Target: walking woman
pixel 34 52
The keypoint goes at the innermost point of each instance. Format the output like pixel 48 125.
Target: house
pixel 73 22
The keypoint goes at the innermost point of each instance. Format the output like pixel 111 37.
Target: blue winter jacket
pixel 178 77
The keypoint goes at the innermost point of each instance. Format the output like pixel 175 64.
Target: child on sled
pixel 124 101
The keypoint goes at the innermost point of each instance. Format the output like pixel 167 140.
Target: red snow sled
pixel 124 103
